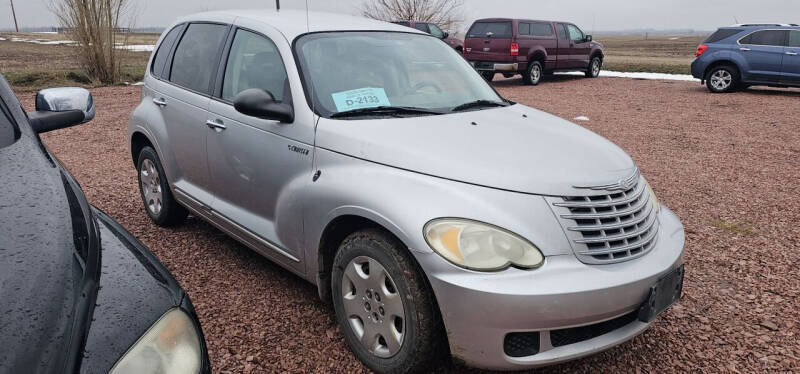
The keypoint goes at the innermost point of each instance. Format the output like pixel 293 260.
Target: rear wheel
pixel 488 75
pixel 722 79
pixel 594 67
pixel 383 305
pixel 533 75
pixel 158 201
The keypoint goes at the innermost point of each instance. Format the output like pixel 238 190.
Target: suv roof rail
pixel 765 24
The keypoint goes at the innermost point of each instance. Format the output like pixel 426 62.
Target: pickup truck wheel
pixel 488 75
pixel 594 68
pixel 534 73
pixel 158 201
pixel 384 306
pixel 722 79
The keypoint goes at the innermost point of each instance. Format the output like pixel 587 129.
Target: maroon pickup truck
pixel 434 30
pixel 531 48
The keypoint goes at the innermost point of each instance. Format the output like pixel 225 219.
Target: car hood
pixel 514 148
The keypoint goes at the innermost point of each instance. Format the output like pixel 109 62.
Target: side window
pixel 575 34
pixel 402 23
pixel 8 130
pixel 254 62
pixel 196 56
pixel 422 27
pixel 767 38
pixel 542 29
pixel 562 31
pixel 163 51
pixel 436 31
pixel 794 39
pixel 524 28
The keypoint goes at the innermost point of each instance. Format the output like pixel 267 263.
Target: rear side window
pixel 542 29
pixel 498 30
pixel 8 130
pixel 722 34
pixel 163 51
pixel 767 37
pixel 254 62
pixel 524 28
pixel 794 39
pixel 196 56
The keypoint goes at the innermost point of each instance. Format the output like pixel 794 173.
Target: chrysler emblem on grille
pixel 620 185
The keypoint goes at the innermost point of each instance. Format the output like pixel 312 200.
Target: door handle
pixel 791 53
pixel 160 102
pixel 743 49
pixel 217 125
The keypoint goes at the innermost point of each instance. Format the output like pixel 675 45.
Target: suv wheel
pixel 594 68
pixel 488 75
pixel 383 305
pixel 158 201
pixel 534 73
pixel 722 79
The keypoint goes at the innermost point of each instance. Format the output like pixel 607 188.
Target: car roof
pixel 293 23
pixel 515 19
pixel 756 26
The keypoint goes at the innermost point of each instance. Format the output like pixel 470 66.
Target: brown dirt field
pixel 728 165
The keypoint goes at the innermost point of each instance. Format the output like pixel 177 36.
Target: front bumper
pixel 495 66
pixel 481 309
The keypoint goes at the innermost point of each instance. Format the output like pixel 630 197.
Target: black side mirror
pixel 58 108
pixel 259 103
pixel 588 38
pixel 445 35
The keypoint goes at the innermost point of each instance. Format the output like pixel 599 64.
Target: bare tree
pixel 444 13
pixel 95 26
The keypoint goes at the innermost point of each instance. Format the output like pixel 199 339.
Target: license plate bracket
pixel 665 292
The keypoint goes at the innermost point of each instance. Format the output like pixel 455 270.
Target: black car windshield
pixel 346 71
pixel 8 130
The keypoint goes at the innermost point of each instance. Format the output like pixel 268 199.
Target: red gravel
pixel 728 165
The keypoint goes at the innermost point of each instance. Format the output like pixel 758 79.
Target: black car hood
pixel 40 271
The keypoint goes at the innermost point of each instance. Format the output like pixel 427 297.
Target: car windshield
pixel 356 71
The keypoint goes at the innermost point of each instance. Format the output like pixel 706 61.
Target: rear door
pixel 764 51
pixel 489 41
pixel 183 100
pixel 791 60
pixel 564 47
pixel 579 47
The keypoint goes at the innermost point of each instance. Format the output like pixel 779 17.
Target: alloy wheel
pixel 373 306
pixel 595 67
pixel 151 187
pixel 721 80
pixel 536 73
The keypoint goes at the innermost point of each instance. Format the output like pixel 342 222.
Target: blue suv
pixel 740 56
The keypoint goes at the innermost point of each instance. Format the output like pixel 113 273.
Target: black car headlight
pixel 170 346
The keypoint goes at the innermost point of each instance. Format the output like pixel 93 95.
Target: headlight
pixel 479 246
pixel 653 198
pixel 171 345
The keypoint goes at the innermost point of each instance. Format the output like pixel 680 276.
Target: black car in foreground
pixel 78 294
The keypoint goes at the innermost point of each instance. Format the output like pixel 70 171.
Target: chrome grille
pixel 613 227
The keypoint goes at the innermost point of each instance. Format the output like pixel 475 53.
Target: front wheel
pixel 533 74
pixel 722 79
pixel 384 307
pixel 594 68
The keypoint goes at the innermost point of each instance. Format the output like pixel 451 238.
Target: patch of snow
pixel 674 38
pixel 2 39
pixel 42 41
pixel 647 76
pixel 137 47
pixel 581 118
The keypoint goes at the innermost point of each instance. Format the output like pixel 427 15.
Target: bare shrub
pixel 444 13
pixel 96 26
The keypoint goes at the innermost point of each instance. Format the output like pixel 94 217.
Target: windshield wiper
pixel 479 103
pixel 388 110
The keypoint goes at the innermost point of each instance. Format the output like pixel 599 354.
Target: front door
pixel 764 51
pixel 791 60
pixel 579 48
pixel 256 164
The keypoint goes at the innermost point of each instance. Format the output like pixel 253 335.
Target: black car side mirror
pixel 58 108
pixel 259 103
pixel 587 38
pixel 445 35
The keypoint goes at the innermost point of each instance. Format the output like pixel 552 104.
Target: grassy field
pixel 32 66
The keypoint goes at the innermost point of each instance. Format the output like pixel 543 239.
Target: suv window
pixel 794 39
pixel 8 130
pixel 575 34
pixel 524 28
pixel 436 31
pixel 254 62
pixel 421 27
pixel 164 48
pixel 498 29
pixel 196 56
pixel 541 29
pixel 722 34
pixel 766 37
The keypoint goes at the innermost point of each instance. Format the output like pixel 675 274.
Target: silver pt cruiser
pixel 373 161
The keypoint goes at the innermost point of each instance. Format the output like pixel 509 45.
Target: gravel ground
pixel 728 165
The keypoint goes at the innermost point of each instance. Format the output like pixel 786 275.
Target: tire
pixel 533 75
pixel 593 71
pixel 722 79
pixel 362 261
pixel 488 75
pixel 154 189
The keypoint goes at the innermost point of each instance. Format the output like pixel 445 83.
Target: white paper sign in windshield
pixel 361 98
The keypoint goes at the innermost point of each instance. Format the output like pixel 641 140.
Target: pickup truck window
pixel 575 34
pixel 436 31
pixel 524 28
pixel 541 29
pixel 498 29
pixel 562 32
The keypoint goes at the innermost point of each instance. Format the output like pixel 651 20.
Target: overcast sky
pixel 611 15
